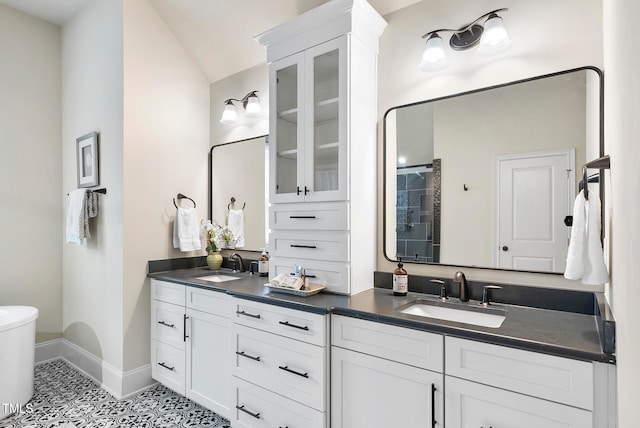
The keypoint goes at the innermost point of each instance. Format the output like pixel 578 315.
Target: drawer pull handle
pixel 248 314
pixel 303 216
pixel 288 324
pixel 167 324
pixel 303 246
pixel 242 409
pixel 433 406
pixel 251 357
pixel 287 369
pixel 184 328
pixel 173 369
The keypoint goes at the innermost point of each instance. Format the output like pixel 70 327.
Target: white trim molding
pixel 117 383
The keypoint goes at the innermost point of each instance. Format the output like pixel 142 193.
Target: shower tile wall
pixel 415 216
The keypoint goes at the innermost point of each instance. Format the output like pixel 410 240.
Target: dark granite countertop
pixel 550 331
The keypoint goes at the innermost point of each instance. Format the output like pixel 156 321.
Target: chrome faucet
pixel 464 290
pixel 238 262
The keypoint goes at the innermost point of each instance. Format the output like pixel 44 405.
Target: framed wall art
pixel 87 160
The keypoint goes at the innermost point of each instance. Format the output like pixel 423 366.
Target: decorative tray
pixel 313 289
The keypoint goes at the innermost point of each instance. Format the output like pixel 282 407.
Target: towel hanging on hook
pixel 181 196
pixel 233 201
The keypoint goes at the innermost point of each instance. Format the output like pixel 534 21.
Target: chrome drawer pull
pixel 305 328
pixel 173 369
pixel 167 324
pixel 255 415
pixel 247 314
pixel 287 369
pixel 303 246
pixel 302 216
pixel 251 357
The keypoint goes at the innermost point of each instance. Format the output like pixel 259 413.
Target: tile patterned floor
pixel 65 398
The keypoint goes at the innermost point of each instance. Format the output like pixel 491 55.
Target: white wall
pixel 622 128
pixel 539 30
pixel 166 143
pixel 31 169
pixel 92 87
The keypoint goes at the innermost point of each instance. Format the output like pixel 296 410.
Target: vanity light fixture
pixel 251 105
pixel 491 38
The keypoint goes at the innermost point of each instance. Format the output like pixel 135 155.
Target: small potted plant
pixel 216 236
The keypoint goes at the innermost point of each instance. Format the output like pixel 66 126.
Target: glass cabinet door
pixel 308 125
pixel 325 172
pixel 287 131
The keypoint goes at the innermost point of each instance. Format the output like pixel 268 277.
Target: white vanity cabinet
pixel 280 366
pixel 191 343
pixel 494 386
pixel 322 137
pixel 385 376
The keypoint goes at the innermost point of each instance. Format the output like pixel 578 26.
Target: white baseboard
pixel 117 383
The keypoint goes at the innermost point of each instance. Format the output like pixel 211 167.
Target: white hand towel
pixel 235 222
pixel 574 268
pixel 75 216
pixel 595 270
pixel 185 230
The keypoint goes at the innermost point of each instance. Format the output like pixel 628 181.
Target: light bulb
pixel 433 57
pixel 229 115
pixel 495 38
pixel 253 106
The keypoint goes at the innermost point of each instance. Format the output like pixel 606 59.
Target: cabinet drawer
pixel 331 246
pixel 167 292
pixel 412 347
pixel 553 378
pixel 168 366
pixel 309 216
pixel 288 367
pixel 256 407
pixel 472 405
pixel 333 275
pixel 167 323
pixel 209 301
pixel 299 325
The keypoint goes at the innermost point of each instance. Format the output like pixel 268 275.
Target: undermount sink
pixel 484 317
pixel 217 278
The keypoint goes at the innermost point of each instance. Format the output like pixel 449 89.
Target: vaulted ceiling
pixel 217 34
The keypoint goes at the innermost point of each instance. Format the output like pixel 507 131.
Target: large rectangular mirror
pixel 238 175
pixel 486 178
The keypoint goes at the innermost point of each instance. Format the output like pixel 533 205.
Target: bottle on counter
pixel 400 281
pixel 263 264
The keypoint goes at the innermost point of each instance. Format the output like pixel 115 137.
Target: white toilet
pixel 17 347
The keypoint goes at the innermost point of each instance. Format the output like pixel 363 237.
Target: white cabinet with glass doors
pixel 309 125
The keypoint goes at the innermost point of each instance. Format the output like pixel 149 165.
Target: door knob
pixel 505 248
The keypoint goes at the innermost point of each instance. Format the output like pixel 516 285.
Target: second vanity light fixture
pixel 491 38
pixel 251 105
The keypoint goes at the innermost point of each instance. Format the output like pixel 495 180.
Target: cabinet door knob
pixel 505 248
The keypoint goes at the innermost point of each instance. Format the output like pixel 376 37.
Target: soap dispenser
pixel 263 264
pixel 400 281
